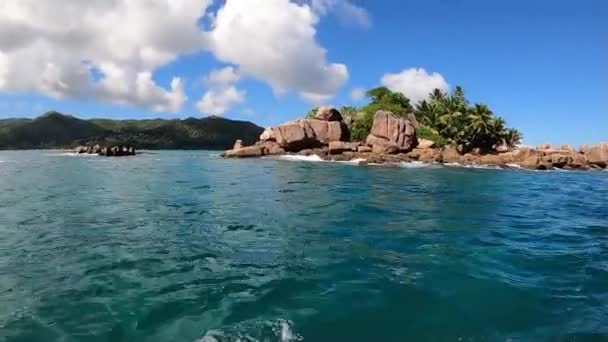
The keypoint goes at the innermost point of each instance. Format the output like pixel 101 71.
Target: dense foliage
pixel 55 130
pixel 472 126
pixel 443 118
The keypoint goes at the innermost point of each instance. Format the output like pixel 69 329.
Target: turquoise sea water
pixel 185 246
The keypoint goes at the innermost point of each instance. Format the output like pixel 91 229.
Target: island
pixel 55 130
pixel 443 129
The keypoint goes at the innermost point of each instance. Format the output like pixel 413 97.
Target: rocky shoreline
pixel 393 139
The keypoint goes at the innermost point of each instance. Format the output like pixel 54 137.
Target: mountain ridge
pixel 56 130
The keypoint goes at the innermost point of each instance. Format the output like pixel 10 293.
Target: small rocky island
pixel 394 138
pixel 106 151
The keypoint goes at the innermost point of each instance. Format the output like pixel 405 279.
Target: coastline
pixel 408 163
pixel 393 139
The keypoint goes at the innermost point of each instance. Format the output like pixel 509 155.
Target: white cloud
pixel 52 47
pixel 284 52
pixel 218 101
pixel 226 75
pixel 109 50
pixel 348 13
pixel 357 94
pixel 222 93
pixel 415 83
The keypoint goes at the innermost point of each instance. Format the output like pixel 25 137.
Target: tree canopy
pixel 443 117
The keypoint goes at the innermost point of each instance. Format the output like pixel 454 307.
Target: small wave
pixel 417 165
pixel 291 157
pixel 72 154
pixel 355 161
pixel 316 159
pixel 280 330
pixel 514 166
pixel 474 166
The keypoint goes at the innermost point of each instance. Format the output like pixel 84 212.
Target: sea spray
pixel 291 157
pixel 279 330
pixel 316 159
pixel 417 165
pixel 71 154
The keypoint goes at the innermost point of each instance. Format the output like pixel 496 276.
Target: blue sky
pixel 542 65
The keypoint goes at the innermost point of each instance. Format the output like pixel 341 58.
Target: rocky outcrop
pixel 328 114
pixel 393 139
pixel 262 148
pixel 238 144
pixel 425 143
pixel 245 152
pixel 597 156
pixel 106 151
pixel 297 135
pixel 392 134
pixel 339 147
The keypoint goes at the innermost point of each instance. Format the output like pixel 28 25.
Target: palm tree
pixel 480 119
pixel 512 137
pixel 479 127
pixel 437 95
pixel 428 113
pixel 459 99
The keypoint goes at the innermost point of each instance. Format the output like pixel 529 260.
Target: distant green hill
pixel 56 130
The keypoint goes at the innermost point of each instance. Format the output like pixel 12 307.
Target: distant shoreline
pixel 55 130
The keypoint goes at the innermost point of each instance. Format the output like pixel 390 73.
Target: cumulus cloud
pixel 357 94
pixel 109 50
pixel 223 76
pixel 284 52
pixel 347 13
pixel 55 47
pixel 218 101
pixel 415 83
pixel 222 93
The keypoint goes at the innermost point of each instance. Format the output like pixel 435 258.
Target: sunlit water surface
pixel 186 246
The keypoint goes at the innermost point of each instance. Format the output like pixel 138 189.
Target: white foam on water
pixel 286 332
pixel 474 166
pixel 316 159
pixel 72 154
pixel 514 166
pixel 417 165
pixel 355 161
pixel 485 167
pixel 281 330
pixel 291 157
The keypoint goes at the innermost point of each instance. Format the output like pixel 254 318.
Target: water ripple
pixel 185 246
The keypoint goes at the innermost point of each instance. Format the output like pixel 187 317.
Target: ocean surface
pixel 186 246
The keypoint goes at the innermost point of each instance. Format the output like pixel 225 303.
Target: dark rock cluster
pixel 107 151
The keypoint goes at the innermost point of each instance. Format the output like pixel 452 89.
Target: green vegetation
pixel 425 132
pixel 55 130
pixel 381 99
pixel 443 118
pixel 472 126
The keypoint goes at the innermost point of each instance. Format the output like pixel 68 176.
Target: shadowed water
pixel 185 246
